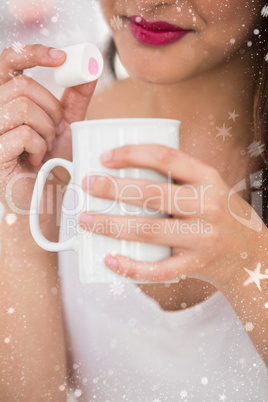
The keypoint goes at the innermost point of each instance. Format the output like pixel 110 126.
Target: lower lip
pixel 155 38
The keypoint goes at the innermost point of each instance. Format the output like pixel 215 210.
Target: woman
pixel 199 62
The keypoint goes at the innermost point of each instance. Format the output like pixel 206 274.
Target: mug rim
pixel 142 120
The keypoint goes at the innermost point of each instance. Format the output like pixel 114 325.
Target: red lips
pixel 156 33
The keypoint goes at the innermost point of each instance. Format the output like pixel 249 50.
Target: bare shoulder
pixel 111 102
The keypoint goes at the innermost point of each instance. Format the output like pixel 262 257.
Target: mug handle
pixel 69 244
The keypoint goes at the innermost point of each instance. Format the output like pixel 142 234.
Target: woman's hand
pixel 209 228
pixel 34 125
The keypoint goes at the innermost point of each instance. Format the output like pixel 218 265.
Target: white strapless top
pixel 124 347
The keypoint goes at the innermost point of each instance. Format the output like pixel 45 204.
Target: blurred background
pixel 56 23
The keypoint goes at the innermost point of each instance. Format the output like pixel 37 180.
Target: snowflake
pixel 266 57
pixel 11 310
pixel 18 47
pixel 11 219
pixel 222 397
pixel 204 381
pixel 264 11
pixel 156 400
pixel 117 288
pixel 233 116
pixel 183 393
pixel 76 34
pixel 244 255
pixel 78 393
pixel 255 148
pixel 62 388
pixel 44 32
pixel 223 132
pixel 255 276
pixel 116 22
pixel 249 326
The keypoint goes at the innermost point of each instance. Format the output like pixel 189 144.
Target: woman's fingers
pixel 22 111
pixel 179 200
pixel 181 166
pixel 13 63
pixel 20 139
pixel 163 231
pixel 27 87
pixel 169 269
pixel 75 101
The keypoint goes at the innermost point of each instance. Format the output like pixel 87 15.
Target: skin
pixel 38 129
pixel 207 46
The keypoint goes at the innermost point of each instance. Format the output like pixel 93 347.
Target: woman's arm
pixel 248 295
pixel 32 347
pixel 35 126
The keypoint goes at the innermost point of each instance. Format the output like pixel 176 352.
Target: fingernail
pixel 61 127
pixel 88 182
pixel 106 156
pixel 111 262
pixel 85 219
pixel 56 53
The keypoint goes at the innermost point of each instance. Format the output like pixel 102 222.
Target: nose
pixel 148 5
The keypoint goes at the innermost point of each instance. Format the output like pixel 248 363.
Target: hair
pixel 110 57
pixel 260 110
pixel 260 120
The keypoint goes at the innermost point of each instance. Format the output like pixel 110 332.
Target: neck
pixel 223 97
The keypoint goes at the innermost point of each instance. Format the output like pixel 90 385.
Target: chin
pixel 160 76
pixel 161 66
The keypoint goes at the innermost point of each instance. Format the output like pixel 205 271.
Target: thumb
pixel 75 101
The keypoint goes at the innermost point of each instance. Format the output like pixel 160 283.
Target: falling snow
pixel 223 132
pixel 44 32
pixel 244 255
pixel 255 276
pixel 77 393
pixel 11 218
pixel 117 288
pixel 249 327
pixel 264 11
pixel 116 23
pixel 18 47
pixel 183 393
pixel 255 149
pixel 233 115
pixel 204 381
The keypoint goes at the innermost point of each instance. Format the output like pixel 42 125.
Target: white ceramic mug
pixel 90 139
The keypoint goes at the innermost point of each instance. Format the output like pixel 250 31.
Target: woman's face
pixel 205 34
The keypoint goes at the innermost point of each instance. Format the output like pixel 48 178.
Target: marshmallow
pixel 84 63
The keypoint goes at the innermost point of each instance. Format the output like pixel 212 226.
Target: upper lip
pixel 155 25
